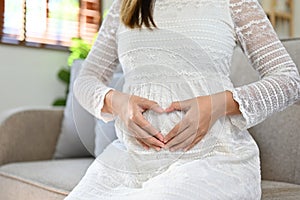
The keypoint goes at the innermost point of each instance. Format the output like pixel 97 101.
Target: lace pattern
pixel 90 87
pixel 230 161
pixel 179 4
pixel 279 86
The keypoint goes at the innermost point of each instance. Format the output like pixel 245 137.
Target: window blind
pixel 44 23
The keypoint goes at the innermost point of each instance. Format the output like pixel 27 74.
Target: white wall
pixel 282 27
pixel 297 18
pixel 106 4
pixel 28 76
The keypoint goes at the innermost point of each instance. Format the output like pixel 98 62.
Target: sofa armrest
pixel 28 134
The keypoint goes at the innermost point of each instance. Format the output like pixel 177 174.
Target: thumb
pixel 176 105
pixel 152 105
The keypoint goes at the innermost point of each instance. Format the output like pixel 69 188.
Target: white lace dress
pixel 187 56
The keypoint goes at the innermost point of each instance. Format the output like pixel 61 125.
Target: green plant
pixel 79 49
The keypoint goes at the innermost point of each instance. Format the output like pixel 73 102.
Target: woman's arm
pixel 279 86
pixel 90 87
pixel 200 114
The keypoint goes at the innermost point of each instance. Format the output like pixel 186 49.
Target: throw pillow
pixel 77 131
pixel 105 132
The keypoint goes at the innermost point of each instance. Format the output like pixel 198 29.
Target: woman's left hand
pixel 200 114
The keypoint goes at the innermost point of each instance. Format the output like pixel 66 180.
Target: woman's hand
pixel 130 109
pixel 201 114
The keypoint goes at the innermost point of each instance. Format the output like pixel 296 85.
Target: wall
pixel 282 27
pixel 106 4
pixel 28 76
pixel 297 18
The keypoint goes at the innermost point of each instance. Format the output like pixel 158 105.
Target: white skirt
pixel 121 174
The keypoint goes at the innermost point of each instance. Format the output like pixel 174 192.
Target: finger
pixel 145 137
pixel 147 147
pixel 156 108
pixel 160 137
pixel 196 141
pixel 176 130
pixel 143 144
pixel 139 119
pixel 180 138
pixel 151 105
pixel 174 106
pixel 183 145
pixel 177 105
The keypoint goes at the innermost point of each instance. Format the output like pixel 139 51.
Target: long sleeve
pixel 90 87
pixel 279 84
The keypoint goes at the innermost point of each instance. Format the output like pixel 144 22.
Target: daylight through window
pixel 52 23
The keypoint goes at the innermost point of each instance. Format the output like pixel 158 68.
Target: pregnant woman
pixel 180 122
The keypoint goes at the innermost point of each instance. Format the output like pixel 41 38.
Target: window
pixel 48 23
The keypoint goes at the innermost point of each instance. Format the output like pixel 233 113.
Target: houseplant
pixel 79 49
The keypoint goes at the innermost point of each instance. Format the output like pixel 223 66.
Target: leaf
pixel 60 102
pixel 79 49
pixel 64 75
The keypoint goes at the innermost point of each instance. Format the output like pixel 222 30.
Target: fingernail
pixel 167 109
pixel 160 137
pixel 157 149
pixel 172 150
pixel 185 150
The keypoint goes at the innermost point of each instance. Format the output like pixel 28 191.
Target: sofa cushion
pixel 241 71
pixel 55 179
pixel 105 132
pixel 278 140
pixel 77 130
pixel 280 191
pixel 41 180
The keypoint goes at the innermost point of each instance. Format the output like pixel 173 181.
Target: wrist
pixel 107 107
pixel 218 104
pixel 223 104
pixel 232 107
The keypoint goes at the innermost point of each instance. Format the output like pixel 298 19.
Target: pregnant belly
pixel 164 94
pixel 163 122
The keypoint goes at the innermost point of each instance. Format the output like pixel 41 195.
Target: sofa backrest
pixel 278 137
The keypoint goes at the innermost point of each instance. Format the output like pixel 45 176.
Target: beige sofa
pixel 28 138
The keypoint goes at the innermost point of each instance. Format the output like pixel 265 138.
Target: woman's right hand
pixel 130 109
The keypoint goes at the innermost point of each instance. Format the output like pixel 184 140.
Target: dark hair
pixel 136 13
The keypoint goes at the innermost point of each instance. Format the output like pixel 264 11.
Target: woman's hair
pixel 136 13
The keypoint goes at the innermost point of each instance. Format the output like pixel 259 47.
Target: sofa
pixel 28 138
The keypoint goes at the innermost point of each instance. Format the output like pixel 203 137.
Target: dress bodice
pixel 189 55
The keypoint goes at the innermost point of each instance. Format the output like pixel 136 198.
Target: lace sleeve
pixel 90 87
pixel 279 84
